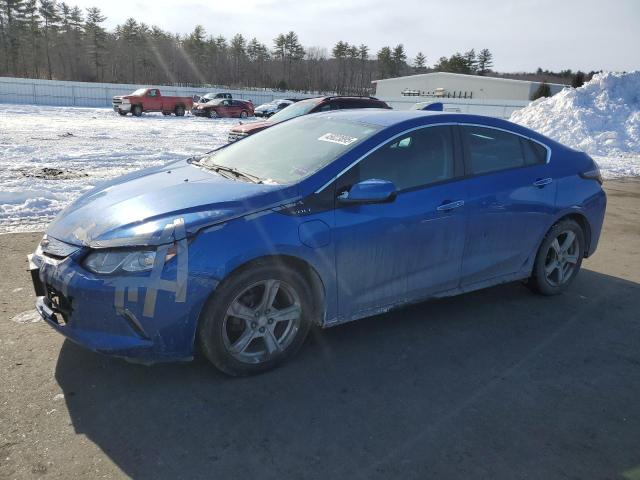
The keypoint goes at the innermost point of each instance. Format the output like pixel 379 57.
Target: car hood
pixel 250 127
pixel 133 210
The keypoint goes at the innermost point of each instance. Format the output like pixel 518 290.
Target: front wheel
pixel 211 113
pixel 136 110
pixel 559 258
pixel 256 319
pixel 244 114
pixel 122 112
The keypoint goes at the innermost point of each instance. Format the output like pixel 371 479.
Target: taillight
pixel 593 173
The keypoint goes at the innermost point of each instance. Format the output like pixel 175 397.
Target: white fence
pixel 491 108
pixel 84 94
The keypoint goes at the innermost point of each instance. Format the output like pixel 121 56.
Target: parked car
pixel 320 220
pixel 151 100
pixel 223 107
pixel 211 96
pixel 304 107
pixel 268 109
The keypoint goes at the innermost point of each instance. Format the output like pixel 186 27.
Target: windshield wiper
pixel 234 171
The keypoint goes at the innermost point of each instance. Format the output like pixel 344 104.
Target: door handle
pixel 450 206
pixel 541 182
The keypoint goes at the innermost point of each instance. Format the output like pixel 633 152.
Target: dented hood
pixel 134 209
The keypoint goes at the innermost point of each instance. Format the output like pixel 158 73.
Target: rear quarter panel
pixel 576 194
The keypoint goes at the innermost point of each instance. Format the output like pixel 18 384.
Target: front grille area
pixel 235 136
pixel 60 304
pixel 116 101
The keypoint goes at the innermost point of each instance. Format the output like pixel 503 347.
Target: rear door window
pixel 491 150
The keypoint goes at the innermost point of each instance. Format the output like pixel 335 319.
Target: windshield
pixel 209 96
pixel 294 110
pixel 139 92
pixel 291 151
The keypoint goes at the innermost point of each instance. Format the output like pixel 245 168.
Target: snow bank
pixel 601 118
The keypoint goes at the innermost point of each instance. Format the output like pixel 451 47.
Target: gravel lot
pixel 496 384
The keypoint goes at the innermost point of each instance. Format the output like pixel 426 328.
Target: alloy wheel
pixel 561 258
pixel 262 321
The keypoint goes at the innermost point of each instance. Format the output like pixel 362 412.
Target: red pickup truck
pixel 151 100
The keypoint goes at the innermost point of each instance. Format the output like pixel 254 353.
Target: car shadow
pixel 492 384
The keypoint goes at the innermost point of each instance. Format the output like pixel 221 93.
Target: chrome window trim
pixel 363 156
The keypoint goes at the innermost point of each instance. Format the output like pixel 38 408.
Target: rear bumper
pixel 595 211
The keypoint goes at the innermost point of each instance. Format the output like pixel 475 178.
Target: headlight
pixel 111 261
pixel 125 100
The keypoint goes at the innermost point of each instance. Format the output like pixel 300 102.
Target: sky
pixel 522 34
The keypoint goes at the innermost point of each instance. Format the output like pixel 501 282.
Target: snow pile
pixel 51 155
pixel 601 118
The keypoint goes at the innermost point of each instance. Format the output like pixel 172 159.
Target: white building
pixel 467 93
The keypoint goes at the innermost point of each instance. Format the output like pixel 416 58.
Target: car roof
pixel 388 118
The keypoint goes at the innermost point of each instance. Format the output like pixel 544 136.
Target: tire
pixel 212 113
pixel 245 345
pixel 559 258
pixel 136 110
pixel 166 114
pixel 121 112
pixel 244 114
pixel 179 111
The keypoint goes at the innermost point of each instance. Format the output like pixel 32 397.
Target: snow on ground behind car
pixel 51 155
pixel 601 118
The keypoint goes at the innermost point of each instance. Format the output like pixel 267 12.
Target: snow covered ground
pixel 601 118
pixel 50 155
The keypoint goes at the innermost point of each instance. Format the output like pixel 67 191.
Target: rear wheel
pixel 559 258
pixel 256 319
pixel 136 110
pixel 179 111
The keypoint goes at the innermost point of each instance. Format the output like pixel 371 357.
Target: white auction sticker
pixel 337 138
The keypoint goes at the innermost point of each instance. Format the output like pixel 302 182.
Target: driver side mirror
pixel 369 191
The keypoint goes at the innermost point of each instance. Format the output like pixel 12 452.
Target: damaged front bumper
pixel 139 317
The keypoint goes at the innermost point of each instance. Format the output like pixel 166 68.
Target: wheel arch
pixel 303 267
pixel 581 219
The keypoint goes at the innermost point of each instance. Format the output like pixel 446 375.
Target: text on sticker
pixel 337 138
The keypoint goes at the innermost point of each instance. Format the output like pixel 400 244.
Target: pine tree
pixel 420 62
pixel 485 61
pixel 96 36
pixel 13 27
pixel 399 58
pixel 578 79
pixel 471 61
pixel 49 13
pixel 385 62
pixel 33 27
pixel 542 91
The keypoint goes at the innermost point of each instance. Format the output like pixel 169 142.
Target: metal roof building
pixel 456 85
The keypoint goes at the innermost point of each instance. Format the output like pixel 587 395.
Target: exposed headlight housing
pixel 125 100
pixel 110 261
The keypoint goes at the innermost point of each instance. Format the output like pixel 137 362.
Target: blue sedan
pixel 320 220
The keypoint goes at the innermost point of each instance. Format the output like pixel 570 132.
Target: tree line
pixel 54 40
